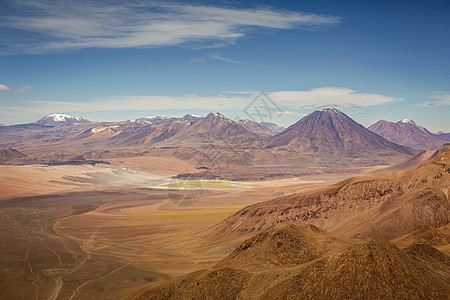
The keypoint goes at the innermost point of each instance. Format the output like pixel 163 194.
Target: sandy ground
pixel 82 232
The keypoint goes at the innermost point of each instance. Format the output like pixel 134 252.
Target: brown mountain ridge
pixel 386 205
pixel 297 266
pixel 407 133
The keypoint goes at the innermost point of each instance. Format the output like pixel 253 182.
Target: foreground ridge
pixel 370 269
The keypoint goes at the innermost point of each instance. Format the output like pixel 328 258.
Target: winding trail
pixel 77 260
pixel 27 261
pixel 77 290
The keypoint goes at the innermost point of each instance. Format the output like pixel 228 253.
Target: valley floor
pixel 103 231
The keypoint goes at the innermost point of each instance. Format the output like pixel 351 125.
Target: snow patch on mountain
pixel 406 121
pixel 55 119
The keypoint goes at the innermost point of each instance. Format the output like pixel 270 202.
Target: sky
pixel 120 60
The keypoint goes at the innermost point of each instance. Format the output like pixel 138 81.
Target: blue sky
pixel 118 60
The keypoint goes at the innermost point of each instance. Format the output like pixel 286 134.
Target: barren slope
pixel 287 246
pixel 372 269
pixel 330 138
pixel 8 153
pixel 387 205
pixel 419 159
pixel 407 133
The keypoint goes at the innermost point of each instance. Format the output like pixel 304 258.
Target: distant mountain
pixel 191 117
pixel 329 137
pixel 143 131
pixel 8 153
pixel 273 127
pixel 214 128
pixel 256 128
pixel 443 135
pixel 57 119
pixel 2 125
pixel 150 120
pixel 407 133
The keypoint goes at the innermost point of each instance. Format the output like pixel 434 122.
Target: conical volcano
pixel 329 137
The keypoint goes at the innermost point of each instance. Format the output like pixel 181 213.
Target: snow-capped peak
pixel 217 115
pixel 155 117
pixel 406 121
pixel 150 120
pixel 63 118
pixel 245 121
pixel 58 117
pixel 55 119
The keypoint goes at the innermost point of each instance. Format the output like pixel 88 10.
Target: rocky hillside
pixel 387 205
pixel 308 263
pixel 419 159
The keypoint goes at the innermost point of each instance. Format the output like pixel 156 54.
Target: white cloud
pixel 5 88
pixel 338 97
pixel 70 24
pixel 442 99
pixel 290 102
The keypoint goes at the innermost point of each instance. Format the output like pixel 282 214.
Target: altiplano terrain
pixel 352 260
pixel 236 150
pixel 134 203
pixel 106 230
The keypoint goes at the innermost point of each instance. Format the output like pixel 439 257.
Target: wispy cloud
pixel 228 60
pixel 442 99
pixel 5 88
pixel 339 97
pixel 207 95
pixel 68 24
pixel 341 105
pixel 199 60
pixel 290 113
pixel 290 102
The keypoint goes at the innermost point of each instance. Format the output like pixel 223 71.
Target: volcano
pixel 329 137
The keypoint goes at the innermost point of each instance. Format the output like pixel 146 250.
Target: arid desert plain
pixel 235 150
pixel 107 230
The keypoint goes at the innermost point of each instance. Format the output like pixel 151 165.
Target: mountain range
pixel 325 138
